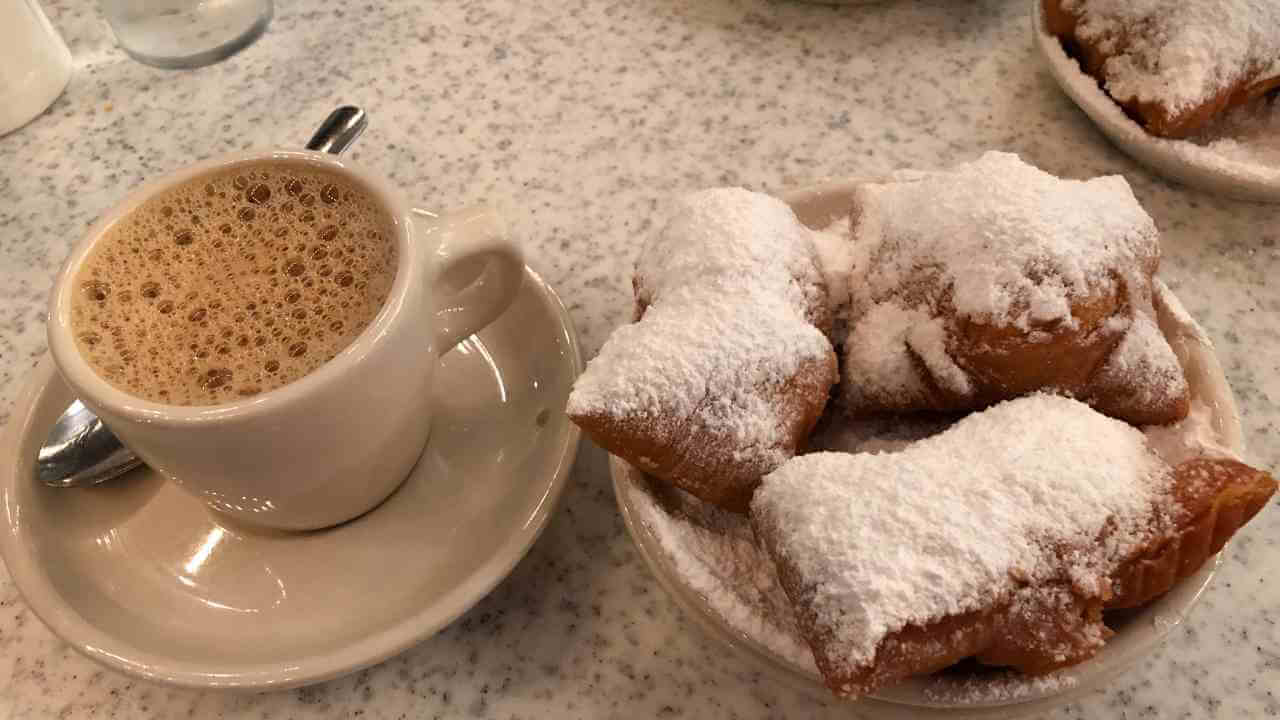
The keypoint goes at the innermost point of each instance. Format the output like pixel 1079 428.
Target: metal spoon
pixel 339 130
pixel 80 450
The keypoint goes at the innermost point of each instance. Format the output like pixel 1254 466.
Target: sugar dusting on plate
pixel 714 553
pixel 1247 134
pixel 990 688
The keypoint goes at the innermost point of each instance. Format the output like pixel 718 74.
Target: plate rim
pixel 118 654
pixel 1154 153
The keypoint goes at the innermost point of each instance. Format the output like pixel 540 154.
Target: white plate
pixel 1180 160
pixel 137 575
pixel 1136 636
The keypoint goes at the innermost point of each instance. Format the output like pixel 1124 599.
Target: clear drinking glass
pixel 186 33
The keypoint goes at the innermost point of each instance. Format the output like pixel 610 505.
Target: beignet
pixel 1003 537
pixel 727 369
pixel 995 279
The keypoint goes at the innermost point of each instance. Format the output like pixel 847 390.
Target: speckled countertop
pixel 585 117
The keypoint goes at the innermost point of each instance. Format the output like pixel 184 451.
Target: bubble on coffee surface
pixel 215 290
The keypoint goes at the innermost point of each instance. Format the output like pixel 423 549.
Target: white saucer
pixel 1180 160
pixel 734 615
pixel 139 576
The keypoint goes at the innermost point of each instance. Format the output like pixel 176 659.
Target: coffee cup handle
pixel 479 270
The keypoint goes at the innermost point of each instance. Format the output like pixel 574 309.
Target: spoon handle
pixel 81 451
pixel 339 130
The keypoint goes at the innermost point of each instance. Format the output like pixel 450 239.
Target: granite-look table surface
pixel 585 117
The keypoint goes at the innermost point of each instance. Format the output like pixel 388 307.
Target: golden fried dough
pixel 1212 497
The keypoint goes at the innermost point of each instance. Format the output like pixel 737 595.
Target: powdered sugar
pixel 1010 244
pixel 996 687
pixel 835 258
pixel 731 287
pixel 1177 53
pixel 878 354
pixel 957 516
pixel 1144 364
pixel 928 340
pixel 750 240
pixel 715 553
pixel 1248 134
pixel 704 351
pixel 876 360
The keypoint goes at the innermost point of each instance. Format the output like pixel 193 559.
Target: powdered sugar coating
pixel 1248 134
pixel 835 259
pixel 750 240
pixel 1178 53
pixel 715 553
pixel 1144 364
pixel 731 287
pixel 677 363
pixel 954 518
pixel 1009 244
pixel 928 340
pixel 997 687
pixel 876 359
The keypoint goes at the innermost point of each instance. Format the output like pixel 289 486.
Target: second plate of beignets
pixel 1173 65
pixel 726 371
pixel 1002 538
pixel 996 279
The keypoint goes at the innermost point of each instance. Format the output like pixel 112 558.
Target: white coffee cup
pixel 334 443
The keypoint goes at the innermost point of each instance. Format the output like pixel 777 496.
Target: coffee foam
pixel 233 283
